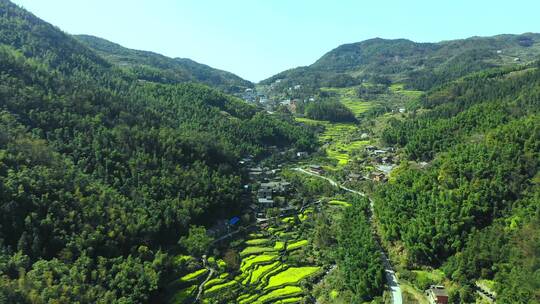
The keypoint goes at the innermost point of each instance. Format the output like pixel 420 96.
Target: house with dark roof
pixel 437 295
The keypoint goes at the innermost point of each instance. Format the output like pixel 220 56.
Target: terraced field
pixel 266 274
pixel 349 98
pixel 339 203
pixel 341 139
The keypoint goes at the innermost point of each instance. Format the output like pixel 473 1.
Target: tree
pixel 197 242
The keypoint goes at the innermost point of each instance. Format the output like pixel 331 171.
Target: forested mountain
pixel 473 207
pixel 101 174
pixel 419 65
pixel 154 67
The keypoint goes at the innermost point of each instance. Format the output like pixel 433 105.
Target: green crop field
pixel 349 98
pixel 260 271
pixel 219 287
pixel 255 250
pixel 287 291
pixel 399 88
pixel 256 259
pixel 292 275
pixel 356 106
pixel 279 245
pixel 265 274
pixel 258 241
pixel 297 245
pixel 341 138
pixel 194 275
pixel 339 203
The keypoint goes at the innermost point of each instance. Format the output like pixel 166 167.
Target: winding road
pixel 391 279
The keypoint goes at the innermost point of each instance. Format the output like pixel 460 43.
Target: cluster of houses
pixel 269 187
pixel 382 159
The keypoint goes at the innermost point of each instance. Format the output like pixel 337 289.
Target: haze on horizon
pixel 257 39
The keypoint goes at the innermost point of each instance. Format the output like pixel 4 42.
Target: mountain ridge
pixel 152 66
pixel 403 60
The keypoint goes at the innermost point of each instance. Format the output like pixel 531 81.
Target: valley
pixel 387 171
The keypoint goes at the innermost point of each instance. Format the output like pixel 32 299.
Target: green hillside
pixel 101 174
pixel 154 67
pixel 474 209
pixel 419 65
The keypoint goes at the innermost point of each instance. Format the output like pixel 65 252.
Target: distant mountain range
pixel 155 67
pixel 420 65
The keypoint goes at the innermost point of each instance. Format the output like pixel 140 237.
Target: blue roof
pixel 234 220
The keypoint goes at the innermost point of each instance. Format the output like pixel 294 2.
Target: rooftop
pixel 438 291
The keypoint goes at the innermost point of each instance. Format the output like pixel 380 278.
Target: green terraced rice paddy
pixel 399 88
pixel 349 98
pixel 288 220
pixel 297 245
pixel 339 203
pixel 258 241
pixel 289 300
pixel 336 136
pixel 260 271
pixel 219 287
pixel 356 106
pixel 291 276
pixel 194 275
pixel 256 259
pixel 342 151
pixel 271 297
pixel 255 250
pixel 213 282
pixel 287 235
pixel 265 275
pixel 278 246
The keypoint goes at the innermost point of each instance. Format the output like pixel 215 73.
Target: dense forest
pixel 330 110
pixel 102 174
pixel 470 203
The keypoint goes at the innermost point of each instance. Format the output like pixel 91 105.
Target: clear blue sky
pixel 258 38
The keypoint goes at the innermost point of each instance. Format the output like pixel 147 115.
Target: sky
pixel 256 39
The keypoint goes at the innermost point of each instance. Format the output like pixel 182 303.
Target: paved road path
pixel 391 279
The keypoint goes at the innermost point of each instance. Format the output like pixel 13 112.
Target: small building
pixel 401 110
pixel 255 173
pixel 302 154
pixel 437 295
pixel 378 177
pixel 316 169
pixel 233 221
pixel 265 203
pixel 276 186
pixel 364 136
pixel 353 177
pixel 370 148
pixel 287 211
pixel 264 193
